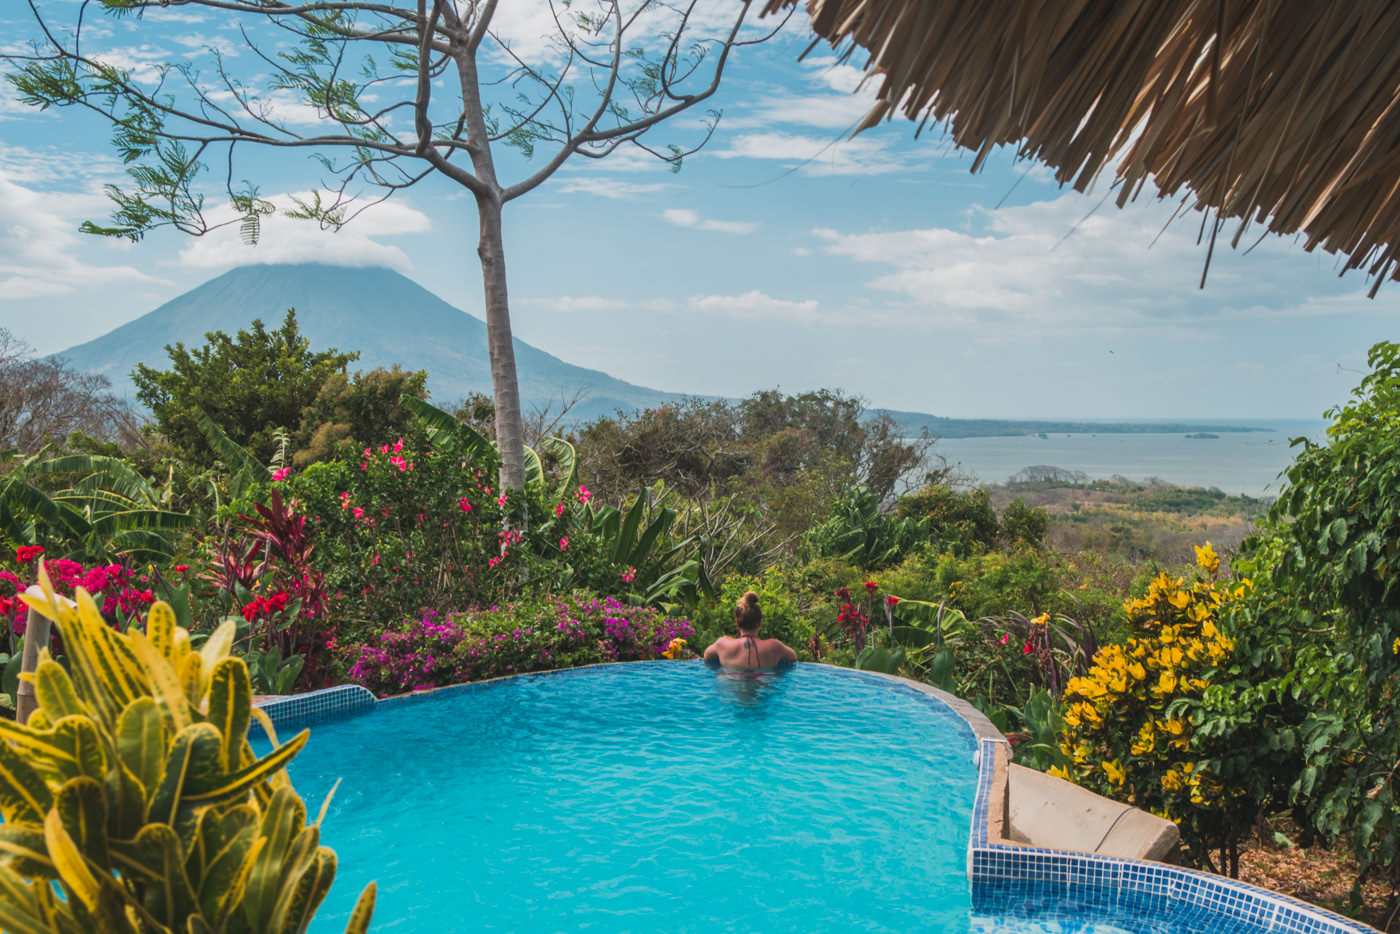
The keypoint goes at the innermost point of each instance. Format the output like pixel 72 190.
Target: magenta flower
pixel 583 495
pixel 629 575
pixel 559 509
pixel 279 475
pixel 564 543
pixel 463 504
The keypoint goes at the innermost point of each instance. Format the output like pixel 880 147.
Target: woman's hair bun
pixel 747 614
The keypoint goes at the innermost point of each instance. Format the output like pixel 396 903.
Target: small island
pixel 1201 434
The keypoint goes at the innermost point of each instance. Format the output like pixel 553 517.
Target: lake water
pixel 1246 463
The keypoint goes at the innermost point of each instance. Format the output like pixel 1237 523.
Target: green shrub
pixel 784 616
pixel 133 802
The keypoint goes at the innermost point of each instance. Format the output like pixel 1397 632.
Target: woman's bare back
pixel 749 652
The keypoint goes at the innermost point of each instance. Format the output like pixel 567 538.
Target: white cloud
pixel 568 304
pixel 753 305
pixel 53 167
pixel 145 62
pixel 684 217
pixel 286 240
pixel 607 186
pixel 532 33
pixel 814 155
pixel 1025 272
pixel 39 244
pixel 279 106
pixel 198 44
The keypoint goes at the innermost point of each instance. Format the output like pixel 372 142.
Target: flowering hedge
pixel 435 650
pixel 120 593
pixel 1124 729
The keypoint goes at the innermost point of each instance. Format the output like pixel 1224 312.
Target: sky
pixel 786 253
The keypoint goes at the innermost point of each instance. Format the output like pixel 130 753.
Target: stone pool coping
pixel 1000 870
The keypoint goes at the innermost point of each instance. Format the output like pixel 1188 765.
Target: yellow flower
pixel 1207 558
pixel 1114 772
pixel 1058 772
pixel 1396 647
pixel 1179 599
pixel 1146 739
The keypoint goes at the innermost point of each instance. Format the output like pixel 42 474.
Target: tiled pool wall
pixel 1016 880
pixel 1006 878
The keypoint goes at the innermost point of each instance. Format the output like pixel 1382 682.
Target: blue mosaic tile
pixel 1045 889
pixel 318 706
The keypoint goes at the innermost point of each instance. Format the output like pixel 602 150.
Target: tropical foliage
pixel 133 801
pixel 1255 684
pixel 1124 732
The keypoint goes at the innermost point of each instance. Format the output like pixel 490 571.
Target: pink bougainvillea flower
pixel 1006 637
pixel 584 495
pixel 463 504
pixel 564 543
pixel 27 553
pixel 358 512
pixel 384 449
pixel 559 509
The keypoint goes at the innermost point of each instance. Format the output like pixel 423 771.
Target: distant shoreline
pixel 915 422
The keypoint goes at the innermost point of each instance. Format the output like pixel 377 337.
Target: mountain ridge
pixel 385 316
pixel 390 319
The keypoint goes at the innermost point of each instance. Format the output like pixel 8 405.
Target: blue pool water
pixel 652 797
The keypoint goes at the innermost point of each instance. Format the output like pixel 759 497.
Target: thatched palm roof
pixel 1282 112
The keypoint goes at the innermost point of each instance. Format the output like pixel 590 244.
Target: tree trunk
pixel 36 637
pixel 505 389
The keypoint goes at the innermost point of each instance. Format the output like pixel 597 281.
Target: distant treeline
pixel 915 422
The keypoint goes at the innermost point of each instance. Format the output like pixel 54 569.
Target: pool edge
pixel 995 864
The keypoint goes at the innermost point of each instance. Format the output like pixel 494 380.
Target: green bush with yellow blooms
pixel 1127 733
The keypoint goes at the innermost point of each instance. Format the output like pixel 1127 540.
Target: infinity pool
pixel 650 797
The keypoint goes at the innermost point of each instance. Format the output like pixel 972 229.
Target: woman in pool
pixel 748 651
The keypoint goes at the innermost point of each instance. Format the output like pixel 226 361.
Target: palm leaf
pixel 235 456
pixel 468 438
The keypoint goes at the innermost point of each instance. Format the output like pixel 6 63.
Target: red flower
pixel 1026 650
pixel 1005 638
pixel 891 600
pixel 871 587
pixel 27 553
pixel 181 568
